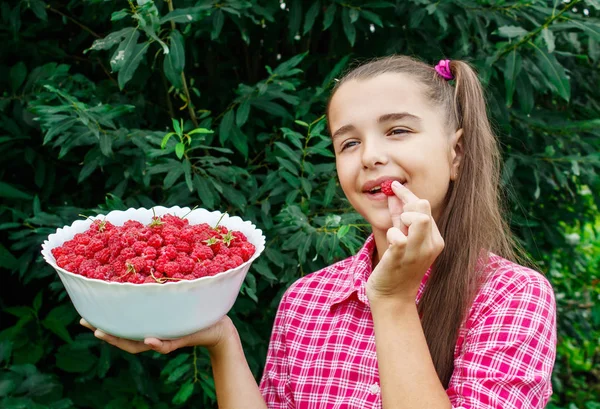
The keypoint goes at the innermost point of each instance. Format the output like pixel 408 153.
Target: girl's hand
pixel 414 244
pixel 210 338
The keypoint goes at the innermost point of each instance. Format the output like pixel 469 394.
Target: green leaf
pixel 311 15
pixel 179 150
pixel 342 231
pixel 200 131
pixel 328 16
pixel 225 127
pixel 349 28
pixel 119 15
pixel 511 71
pixel 272 108
pixel 105 143
pixel 525 92
pixel 125 50
pixel 179 372
pixel 165 139
pixel 293 155
pixel 37 302
pixel 131 64
pixel 205 192
pixel 11 192
pixel 330 191
pixel 174 62
pixel 548 37
pixel 240 141
pixel 354 14
pixel 184 393
pixel 294 17
pixel 176 126
pixel 74 360
pixel 374 18
pixel 284 68
pixel 299 122
pixel 554 72
pixel 242 114
pixel 18 73
pixel 39 9
pixel 7 260
pixel 186 15
pixel 218 20
pixel 112 39
pixel 512 31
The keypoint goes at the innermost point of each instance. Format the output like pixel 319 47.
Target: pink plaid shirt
pixel 322 350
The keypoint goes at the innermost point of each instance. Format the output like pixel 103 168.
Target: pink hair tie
pixel 443 68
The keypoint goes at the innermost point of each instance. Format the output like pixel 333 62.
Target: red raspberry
pixel 145 233
pixel 386 188
pixel 71 268
pixel 237 260
pixel 222 229
pixel 127 240
pixel 189 277
pixel 239 236
pixel 174 220
pixel 101 226
pixel 88 266
pixel 103 256
pixel 149 253
pixel 161 262
pixel 139 247
pixel 171 268
pixel 169 231
pixel 169 251
pixel 202 252
pixel 132 224
pixel 58 251
pixel 171 239
pixel 224 250
pixel 77 260
pixel 186 264
pixel 128 253
pixel 103 273
pixel 80 249
pixel 200 270
pixel 183 246
pixel 63 260
pixel 188 234
pixel 150 280
pixel 213 268
pixel 149 266
pixel 155 241
pixel 93 247
pixel 136 264
pixel 178 275
pixel 81 238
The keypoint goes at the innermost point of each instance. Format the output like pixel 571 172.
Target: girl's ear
pixel 456 154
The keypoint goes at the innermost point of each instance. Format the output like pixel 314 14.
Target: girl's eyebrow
pixel 396 116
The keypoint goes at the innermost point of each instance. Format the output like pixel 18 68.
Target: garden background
pixel 88 91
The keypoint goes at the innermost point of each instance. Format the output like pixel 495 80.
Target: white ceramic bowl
pixel 165 311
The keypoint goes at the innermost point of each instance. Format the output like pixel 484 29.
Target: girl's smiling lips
pixel 368 186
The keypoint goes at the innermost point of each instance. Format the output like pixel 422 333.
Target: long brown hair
pixel 471 222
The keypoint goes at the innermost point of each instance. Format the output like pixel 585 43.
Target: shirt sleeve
pixel 275 385
pixel 508 354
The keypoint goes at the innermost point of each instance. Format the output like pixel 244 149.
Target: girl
pixel 431 312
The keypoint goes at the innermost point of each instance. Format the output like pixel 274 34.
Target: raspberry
pixel 171 268
pixel 178 276
pixel 144 234
pixel 127 240
pixel 188 234
pixel 132 224
pixel 139 247
pixel 103 256
pixel 155 241
pixel 58 251
pixel 136 264
pixel 71 268
pixel 169 251
pixel 239 236
pixel 202 252
pixel 128 253
pixel 93 247
pixel 174 220
pixel 149 279
pixel 183 246
pixel 81 238
pixel 386 188
pixel 171 239
pixel 160 263
pixel 186 264
pixel 101 225
pixel 214 244
pixel 200 270
pixel 212 268
pixel 149 253
pixel 237 260
pixel 63 260
pixel 80 249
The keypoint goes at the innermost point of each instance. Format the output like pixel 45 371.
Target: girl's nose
pixel 373 153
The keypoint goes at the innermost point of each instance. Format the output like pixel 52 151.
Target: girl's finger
pixel 403 193
pixel 127 345
pixel 396 208
pixel 165 346
pixel 419 227
pixel 87 324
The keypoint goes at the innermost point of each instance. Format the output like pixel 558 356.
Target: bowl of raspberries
pixel 160 272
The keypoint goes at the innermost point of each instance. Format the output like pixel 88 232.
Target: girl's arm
pixel 407 375
pixel 235 384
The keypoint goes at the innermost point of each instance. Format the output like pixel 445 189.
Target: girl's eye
pixel 348 145
pixel 398 131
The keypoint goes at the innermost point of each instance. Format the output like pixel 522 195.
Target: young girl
pixel 482 332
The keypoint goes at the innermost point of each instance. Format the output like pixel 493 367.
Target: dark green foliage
pixel 109 105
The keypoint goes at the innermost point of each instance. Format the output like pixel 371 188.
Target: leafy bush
pixel 91 89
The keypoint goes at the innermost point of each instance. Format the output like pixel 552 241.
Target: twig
pixel 183 80
pixel 86 28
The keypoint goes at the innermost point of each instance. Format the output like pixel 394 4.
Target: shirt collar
pixel 355 276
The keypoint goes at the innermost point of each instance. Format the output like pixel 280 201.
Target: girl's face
pixel 385 128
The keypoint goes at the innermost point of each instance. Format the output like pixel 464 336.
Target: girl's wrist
pixel 391 303
pixel 228 336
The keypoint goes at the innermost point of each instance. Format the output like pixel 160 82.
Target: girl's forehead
pixel 383 93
